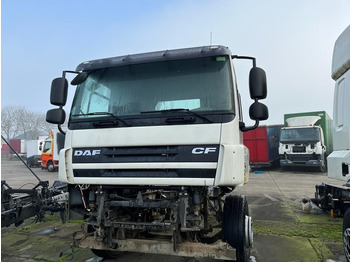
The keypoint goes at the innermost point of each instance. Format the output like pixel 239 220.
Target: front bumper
pixel 301 160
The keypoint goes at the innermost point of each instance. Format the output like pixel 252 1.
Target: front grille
pixel 302 158
pixel 186 153
pixel 169 173
pixel 299 149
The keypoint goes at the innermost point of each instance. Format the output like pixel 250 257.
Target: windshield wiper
pixel 104 113
pixel 178 110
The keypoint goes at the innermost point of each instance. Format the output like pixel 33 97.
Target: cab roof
pixel 166 55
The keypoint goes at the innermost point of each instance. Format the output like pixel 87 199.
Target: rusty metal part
pixel 218 250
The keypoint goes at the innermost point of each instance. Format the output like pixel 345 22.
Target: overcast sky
pixel 292 41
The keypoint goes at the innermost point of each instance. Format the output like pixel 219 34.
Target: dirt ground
pixel 282 229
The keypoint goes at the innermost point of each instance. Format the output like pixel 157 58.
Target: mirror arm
pixel 59 126
pixel 245 57
pixel 67 71
pixel 243 128
pixel 64 77
pixel 60 129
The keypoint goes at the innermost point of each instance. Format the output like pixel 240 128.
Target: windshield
pixel 201 84
pixel 292 135
pixel 47 146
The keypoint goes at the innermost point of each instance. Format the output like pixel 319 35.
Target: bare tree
pixel 17 120
pixel 22 121
pixel 9 127
pixel 43 126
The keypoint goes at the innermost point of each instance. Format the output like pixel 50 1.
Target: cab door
pixel 47 153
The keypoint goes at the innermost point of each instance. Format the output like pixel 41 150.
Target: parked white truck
pixel 34 152
pixel 153 147
pixel 306 140
pixel 333 198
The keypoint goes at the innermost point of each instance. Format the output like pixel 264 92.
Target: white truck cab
pixel 153 145
pixel 339 160
pixel 302 143
pixel 330 197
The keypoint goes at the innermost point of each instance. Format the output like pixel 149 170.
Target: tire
pixel 236 226
pixel 346 234
pixel 286 168
pixel 50 166
pixel 323 169
pixel 106 253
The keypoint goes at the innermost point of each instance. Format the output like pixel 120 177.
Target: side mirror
pixel 59 90
pixel 258 111
pixel 56 116
pixel 257 83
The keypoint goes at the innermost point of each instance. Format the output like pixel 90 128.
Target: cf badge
pixel 203 150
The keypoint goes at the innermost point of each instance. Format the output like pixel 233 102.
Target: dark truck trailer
pixel 5 151
pixel 262 143
pixel 20 147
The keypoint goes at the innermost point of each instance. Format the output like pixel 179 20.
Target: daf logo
pixel 87 152
pixel 203 150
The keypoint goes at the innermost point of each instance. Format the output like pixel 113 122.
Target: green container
pixel 325 122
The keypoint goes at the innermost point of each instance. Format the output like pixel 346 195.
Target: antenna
pixel 211 38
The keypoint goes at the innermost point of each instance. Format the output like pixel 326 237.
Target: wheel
pixel 323 169
pixel 107 253
pixel 286 168
pixel 346 234
pixel 50 166
pixel 237 226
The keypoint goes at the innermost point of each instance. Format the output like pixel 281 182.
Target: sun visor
pixel 302 120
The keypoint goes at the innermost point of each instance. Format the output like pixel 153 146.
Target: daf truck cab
pixel 153 150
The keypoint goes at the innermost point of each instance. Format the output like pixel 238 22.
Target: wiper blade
pixel 104 113
pixel 178 110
